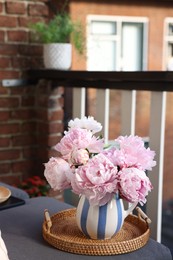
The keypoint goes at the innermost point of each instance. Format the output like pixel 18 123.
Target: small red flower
pixel 35 186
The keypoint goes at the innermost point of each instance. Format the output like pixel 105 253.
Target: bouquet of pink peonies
pixel 97 171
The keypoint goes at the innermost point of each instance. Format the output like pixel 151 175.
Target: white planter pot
pixel 57 56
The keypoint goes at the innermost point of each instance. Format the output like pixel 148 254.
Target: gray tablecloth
pixel 22 232
pixel 16 192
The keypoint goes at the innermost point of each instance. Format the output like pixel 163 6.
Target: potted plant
pixel 57 36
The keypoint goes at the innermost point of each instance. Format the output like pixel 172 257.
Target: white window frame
pixel 119 20
pixel 166 40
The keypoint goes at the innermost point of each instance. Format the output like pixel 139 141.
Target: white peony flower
pixel 88 123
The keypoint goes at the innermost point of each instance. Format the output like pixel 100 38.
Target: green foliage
pixel 61 29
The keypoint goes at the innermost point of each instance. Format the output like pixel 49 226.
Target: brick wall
pixel 30 116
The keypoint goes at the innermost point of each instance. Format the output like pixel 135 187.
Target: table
pixel 22 232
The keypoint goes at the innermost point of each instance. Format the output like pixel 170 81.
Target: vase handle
pixel 131 208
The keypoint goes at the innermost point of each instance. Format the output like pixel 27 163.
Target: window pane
pixel 101 27
pixel 170 29
pixel 132 46
pixel 101 55
pixel 170 49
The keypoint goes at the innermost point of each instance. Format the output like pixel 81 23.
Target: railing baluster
pixel 156 143
pixel 79 102
pixel 102 111
pixel 128 111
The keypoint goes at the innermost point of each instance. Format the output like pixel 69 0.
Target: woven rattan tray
pixel 61 231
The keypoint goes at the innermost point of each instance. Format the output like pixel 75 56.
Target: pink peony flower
pixel 86 123
pixel 97 180
pixel 58 173
pixel 132 153
pixel 79 157
pixel 78 138
pixel 134 185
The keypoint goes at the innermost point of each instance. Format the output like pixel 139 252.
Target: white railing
pixel 129 83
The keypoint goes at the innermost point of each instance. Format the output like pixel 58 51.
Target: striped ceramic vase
pixel 101 222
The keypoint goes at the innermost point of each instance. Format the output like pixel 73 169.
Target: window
pixel 168 44
pixel 116 43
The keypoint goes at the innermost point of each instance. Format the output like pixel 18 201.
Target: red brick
pixel 23 140
pixel 28 101
pixel 17 36
pixel 30 50
pixel 21 91
pixel 9 102
pixel 55 128
pixel 4 167
pixel 22 114
pixel 5 62
pixel 42 101
pixel 22 166
pixel 11 179
pixel 4 115
pixel 26 21
pixel 15 8
pixel 30 152
pixel 3 91
pixel 9 154
pixel 8 49
pixel 43 128
pixel 42 154
pixel 38 10
pixel 12 128
pixel 4 142
pixel 20 62
pixel 42 138
pixel 55 115
pixel 36 62
pixel 9 74
pixel 30 127
pixel 1 7
pixel 53 140
pixel 41 114
pixel 8 21
pixel 2 36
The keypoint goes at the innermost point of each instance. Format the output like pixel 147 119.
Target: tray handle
pixel 48 220
pixel 143 215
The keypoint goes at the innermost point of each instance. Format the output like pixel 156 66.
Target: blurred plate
pixel 5 193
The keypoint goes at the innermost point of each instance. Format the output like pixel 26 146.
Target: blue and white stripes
pixel 100 222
